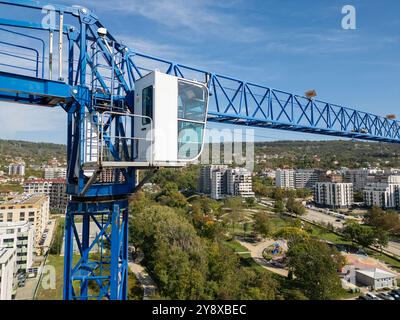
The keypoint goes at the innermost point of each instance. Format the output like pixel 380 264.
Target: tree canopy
pixel 315 266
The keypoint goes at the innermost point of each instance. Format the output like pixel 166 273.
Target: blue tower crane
pixel 96 86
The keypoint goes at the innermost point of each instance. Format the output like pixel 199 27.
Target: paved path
pixel 51 228
pixel 149 287
pixel 256 251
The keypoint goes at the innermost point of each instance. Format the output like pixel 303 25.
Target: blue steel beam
pixel 234 101
pixel 15 87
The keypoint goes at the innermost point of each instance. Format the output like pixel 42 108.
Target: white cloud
pixel 190 18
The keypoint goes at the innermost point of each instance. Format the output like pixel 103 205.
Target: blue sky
pixel 289 45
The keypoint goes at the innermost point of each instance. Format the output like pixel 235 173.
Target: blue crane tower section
pixel 60 56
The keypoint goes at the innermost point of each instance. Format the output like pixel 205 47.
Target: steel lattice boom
pixel 97 74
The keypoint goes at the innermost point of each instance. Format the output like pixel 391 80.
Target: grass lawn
pixel 135 291
pixel 247 261
pixel 54 294
pixel 236 246
pixel 390 261
pixel 327 235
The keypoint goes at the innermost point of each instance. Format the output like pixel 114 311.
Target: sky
pixel 289 45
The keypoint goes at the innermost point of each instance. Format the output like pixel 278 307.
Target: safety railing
pixel 119 145
pixel 22 58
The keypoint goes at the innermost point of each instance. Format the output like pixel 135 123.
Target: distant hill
pixel 30 152
pixel 296 154
pixel 328 154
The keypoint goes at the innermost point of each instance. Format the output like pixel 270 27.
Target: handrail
pixel 34 38
pixel 102 131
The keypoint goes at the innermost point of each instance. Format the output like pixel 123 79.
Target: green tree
pixel 250 202
pixel 291 234
pixel 139 201
pixel 295 207
pixel 56 243
pixel 175 255
pixel 388 221
pixel 235 205
pixel 382 238
pixel 171 197
pixel 279 206
pixel 315 267
pixel 262 225
pixel 365 236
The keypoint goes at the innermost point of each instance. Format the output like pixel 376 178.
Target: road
pixel 322 218
pixel 319 217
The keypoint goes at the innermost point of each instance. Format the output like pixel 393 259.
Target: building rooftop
pixel 23 199
pixel 40 180
pixel 17 224
pixel 5 254
pixel 376 273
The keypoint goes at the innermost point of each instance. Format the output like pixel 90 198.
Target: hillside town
pixel 32 210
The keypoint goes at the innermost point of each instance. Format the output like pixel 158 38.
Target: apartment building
pixel 219 182
pixel 361 177
pixel 20 237
pixel 336 195
pixel 33 208
pixel 56 189
pixel 7 265
pixel 239 183
pixel 305 178
pixel 285 179
pixel 384 194
pixel 205 178
pixel 55 173
pixel 16 169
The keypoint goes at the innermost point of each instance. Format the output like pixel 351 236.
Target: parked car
pixel 372 296
pixel 396 291
pixel 394 295
pixel 385 296
pixel 364 298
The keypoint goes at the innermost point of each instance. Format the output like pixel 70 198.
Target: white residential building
pixel 7 267
pixel 217 184
pixel 33 208
pixel 16 169
pixel 222 182
pixel 383 194
pixel 56 189
pixel 239 183
pixel 376 278
pixel 337 195
pixel 206 177
pixel 55 173
pixel 18 236
pixel 285 178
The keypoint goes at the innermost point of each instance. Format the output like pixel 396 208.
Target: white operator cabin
pixel 166 129
pixel 173 115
